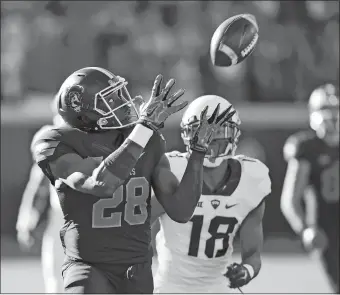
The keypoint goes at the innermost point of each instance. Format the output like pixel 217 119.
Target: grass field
pixel 280 274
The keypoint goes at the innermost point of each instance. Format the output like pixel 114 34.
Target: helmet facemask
pixel 222 146
pixel 115 105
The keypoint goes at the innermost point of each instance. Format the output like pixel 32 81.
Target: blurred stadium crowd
pixel 44 41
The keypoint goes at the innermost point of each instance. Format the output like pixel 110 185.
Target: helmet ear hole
pixel 84 119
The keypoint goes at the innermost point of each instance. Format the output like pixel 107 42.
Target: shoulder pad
pixel 295 146
pixel 258 171
pixel 253 166
pixel 40 133
pixel 245 158
pixel 175 154
pixel 45 143
pixel 51 144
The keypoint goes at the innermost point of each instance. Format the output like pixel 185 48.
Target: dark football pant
pixel 330 259
pixel 83 278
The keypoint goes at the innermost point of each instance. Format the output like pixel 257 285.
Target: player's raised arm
pixel 295 183
pixel 156 208
pixel 34 202
pixel 179 200
pixel 61 162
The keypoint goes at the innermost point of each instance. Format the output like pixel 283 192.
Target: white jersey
pixel 193 256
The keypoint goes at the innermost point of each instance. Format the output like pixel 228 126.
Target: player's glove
pixel 238 275
pixel 207 127
pixel 314 239
pixel 160 105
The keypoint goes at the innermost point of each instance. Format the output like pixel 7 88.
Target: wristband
pixel 250 270
pixel 140 135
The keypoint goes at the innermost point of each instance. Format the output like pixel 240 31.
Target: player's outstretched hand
pixel 208 126
pixel 154 112
pixel 238 275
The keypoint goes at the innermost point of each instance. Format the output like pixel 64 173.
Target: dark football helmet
pixel 94 99
pixel 324 112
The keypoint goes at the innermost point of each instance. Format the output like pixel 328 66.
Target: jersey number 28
pixel 134 200
pixel 214 232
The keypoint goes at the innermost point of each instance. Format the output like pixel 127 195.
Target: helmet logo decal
pixel 74 97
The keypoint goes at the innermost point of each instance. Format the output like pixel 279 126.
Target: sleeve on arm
pixel 47 147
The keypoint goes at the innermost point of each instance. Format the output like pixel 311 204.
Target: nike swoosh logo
pixel 229 206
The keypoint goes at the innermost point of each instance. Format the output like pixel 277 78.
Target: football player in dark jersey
pixel 313 179
pixel 103 165
pixel 40 197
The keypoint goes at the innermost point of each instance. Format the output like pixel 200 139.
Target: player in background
pixel 40 196
pixel 196 257
pixel 103 165
pixel 312 179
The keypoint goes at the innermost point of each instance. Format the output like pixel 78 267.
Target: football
pixel 234 40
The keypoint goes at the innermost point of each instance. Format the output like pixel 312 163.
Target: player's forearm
pixel 254 260
pixel 34 200
pixel 295 215
pixel 182 204
pixel 28 220
pixel 251 244
pixel 115 169
pixel 294 186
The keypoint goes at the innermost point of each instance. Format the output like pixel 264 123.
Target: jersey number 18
pixel 213 230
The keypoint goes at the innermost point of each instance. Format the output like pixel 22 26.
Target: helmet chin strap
pixel 211 161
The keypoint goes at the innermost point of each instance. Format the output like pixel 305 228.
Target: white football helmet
pixel 225 140
pixel 324 112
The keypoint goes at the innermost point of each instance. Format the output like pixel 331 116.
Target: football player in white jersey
pixel 194 257
pixel 40 195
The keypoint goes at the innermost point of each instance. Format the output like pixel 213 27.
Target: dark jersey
pixel 108 230
pixel 324 173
